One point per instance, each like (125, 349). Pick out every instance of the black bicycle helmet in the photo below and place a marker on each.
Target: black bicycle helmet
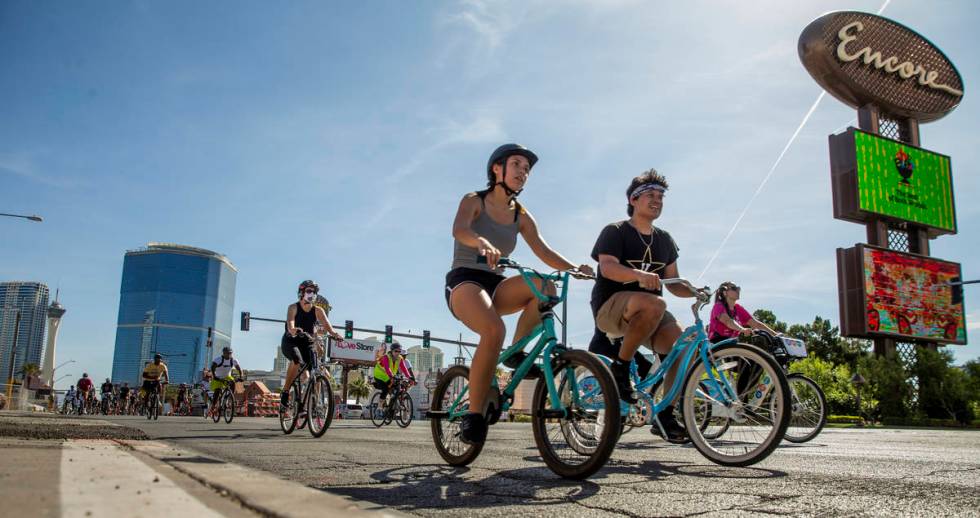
(308, 284)
(499, 156)
(226, 350)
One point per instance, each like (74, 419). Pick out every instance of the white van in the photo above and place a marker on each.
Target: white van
(353, 411)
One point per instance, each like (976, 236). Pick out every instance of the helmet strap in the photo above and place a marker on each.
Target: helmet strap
(511, 193)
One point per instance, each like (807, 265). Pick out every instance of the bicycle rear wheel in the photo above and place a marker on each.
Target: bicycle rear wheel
(228, 405)
(577, 442)
(757, 414)
(216, 409)
(404, 410)
(809, 409)
(319, 404)
(377, 410)
(451, 398)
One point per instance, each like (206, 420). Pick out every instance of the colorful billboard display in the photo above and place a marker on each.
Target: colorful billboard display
(903, 296)
(880, 178)
(904, 182)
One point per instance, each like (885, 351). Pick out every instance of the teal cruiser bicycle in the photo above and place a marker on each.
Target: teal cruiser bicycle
(734, 396)
(575, 426)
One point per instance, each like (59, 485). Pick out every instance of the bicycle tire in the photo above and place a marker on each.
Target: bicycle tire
(301, 420)
(445, 430)
(319, 417)
(228, 406)
(405, 406)
(605, 403)
(800, 428)
(216, 409)
(779, 392)
(287, 414)
(377, 413)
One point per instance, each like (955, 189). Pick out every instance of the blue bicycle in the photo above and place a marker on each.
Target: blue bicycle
(734, 396)
(575, 426)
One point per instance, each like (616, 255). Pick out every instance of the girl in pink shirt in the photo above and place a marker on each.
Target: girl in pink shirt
(729, 319)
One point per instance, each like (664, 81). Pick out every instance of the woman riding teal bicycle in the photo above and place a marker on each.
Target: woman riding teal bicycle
(487, 224)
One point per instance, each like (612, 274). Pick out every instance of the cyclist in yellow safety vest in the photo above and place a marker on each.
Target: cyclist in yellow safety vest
(387, 366)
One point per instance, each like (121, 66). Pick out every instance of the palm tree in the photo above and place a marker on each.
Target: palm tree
(28, 370)
(358, 388)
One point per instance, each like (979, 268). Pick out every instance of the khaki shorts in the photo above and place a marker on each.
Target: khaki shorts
(610, 320)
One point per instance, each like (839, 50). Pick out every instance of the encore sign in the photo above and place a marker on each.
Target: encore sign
(862, 59)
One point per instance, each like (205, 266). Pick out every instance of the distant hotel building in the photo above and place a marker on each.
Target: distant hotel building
(170, 296)
(425, 360)
(30, 301)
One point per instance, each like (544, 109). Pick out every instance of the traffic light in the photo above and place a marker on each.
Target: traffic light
(425, 339)
(245, 320)
(348, 330)
(387, 334)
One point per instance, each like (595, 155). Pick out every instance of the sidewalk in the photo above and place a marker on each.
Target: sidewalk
(53, 466)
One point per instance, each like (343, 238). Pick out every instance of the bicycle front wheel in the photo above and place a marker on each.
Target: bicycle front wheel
(320, 406)
(809, 409)
(746, 386)
(450, 402)
(228, 405)
(577, 441)
(404, 410)
(287, 413)
(377, 410)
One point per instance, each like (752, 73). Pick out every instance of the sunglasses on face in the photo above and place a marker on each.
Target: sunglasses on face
(309, 291)
(733, 288)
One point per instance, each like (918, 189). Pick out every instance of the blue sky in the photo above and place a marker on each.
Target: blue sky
(334, 140)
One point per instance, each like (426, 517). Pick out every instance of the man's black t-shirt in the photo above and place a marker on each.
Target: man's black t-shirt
(623, 241)
(106, 387)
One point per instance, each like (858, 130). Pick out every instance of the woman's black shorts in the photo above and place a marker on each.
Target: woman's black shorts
(482, 278)
(291, 344)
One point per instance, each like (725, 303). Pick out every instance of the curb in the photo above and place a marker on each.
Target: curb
(257, 490)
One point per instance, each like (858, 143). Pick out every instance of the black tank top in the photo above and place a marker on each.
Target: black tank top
(305, 320)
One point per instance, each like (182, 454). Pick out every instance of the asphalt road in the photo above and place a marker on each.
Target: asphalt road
(841, 472)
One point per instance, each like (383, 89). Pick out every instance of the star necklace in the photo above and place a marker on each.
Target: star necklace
(647, 264)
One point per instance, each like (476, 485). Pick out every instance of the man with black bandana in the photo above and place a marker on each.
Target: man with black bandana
(627, 300)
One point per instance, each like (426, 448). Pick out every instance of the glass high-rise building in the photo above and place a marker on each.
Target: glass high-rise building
(171, 296)
(30, 301)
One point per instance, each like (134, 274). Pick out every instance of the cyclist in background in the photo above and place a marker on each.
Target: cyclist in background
(487, 224)
(302, 319)
(84, 391)
(154, 373)
(388, 366)
(181, 398)
(728, 318)
(221, 368)
(124, 398)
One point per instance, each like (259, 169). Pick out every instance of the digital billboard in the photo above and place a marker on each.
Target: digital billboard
(880, 177)
(900, 295)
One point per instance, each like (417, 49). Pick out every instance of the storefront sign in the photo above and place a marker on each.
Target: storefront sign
(861, 59)
(354, 351)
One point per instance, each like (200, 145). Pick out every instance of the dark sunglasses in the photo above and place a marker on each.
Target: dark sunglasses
(734, 288)
(309, 291)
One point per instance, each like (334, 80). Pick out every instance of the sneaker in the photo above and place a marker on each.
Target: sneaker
(473, 429)
(621, 374)
(675, 432)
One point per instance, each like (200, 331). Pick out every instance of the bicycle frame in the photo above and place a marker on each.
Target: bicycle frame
(545, 346)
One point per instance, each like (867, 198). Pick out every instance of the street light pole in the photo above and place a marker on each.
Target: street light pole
(33, 217)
